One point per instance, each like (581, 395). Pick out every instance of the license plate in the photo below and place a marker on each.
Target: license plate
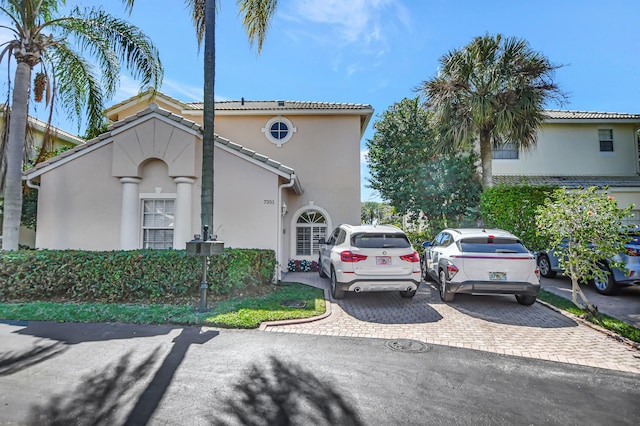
(497, 276)
(383, 260)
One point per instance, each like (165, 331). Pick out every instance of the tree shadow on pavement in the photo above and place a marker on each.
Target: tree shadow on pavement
(100, 398)
(285, 394)
(12, 362)
(503, 309)
(390, 308)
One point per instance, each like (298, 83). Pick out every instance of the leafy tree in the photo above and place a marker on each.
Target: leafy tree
(493, 89)
(44, 39)
(256, 17)
(409, 172)
(584, 227)
(374, 212)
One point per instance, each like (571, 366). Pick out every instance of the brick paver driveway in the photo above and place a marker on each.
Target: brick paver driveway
(488, 323)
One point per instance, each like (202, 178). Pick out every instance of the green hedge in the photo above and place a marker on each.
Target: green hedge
(513, 208)
(128, 276)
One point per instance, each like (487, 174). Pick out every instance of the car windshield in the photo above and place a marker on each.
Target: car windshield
(380, 240)
(491, 245)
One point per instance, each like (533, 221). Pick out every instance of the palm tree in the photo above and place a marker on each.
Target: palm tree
(494, 89)
(43, 39)
(256, 16)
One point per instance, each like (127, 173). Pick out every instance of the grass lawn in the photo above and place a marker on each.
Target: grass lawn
(234, 313)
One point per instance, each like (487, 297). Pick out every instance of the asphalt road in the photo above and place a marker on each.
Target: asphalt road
(624, 305)
(111, 374)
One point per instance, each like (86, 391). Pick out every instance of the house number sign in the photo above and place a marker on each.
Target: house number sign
(269, 201)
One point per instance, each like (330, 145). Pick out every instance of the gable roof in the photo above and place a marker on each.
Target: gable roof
(55, 131)
(154, 111)
(571, 182)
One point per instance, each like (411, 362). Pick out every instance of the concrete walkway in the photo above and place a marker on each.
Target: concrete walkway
(488, 323)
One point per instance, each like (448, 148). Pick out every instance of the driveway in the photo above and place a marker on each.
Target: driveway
(488, 323)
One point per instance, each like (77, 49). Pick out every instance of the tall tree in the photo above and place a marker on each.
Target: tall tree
(44, 39)
(494, 89)
(409, 172)
(256, 17)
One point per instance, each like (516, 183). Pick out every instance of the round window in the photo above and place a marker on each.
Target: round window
(279, 130)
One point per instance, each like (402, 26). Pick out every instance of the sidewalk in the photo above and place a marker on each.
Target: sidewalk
(488, 323)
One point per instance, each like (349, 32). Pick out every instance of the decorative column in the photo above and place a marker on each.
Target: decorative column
(130, 214)
(182, 221)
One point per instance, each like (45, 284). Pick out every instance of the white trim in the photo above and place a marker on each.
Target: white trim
(294, 223)
(291, 129)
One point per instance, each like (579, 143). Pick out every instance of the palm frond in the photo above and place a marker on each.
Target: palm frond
(256, 16)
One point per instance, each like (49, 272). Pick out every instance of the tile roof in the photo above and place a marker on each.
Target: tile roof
(589, 115)
(569, 181)
(154, 109)
(279, 105)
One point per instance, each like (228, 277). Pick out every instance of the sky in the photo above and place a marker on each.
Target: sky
(378, 52)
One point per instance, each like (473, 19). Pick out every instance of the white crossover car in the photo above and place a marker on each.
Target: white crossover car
(369, 258)
(481, 261)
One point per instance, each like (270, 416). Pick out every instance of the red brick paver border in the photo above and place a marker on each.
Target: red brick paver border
(487, 323)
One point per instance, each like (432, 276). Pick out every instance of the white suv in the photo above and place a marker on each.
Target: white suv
(369, 258)
(481, 261)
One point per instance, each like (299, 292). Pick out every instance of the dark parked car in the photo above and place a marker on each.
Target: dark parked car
(616, 278)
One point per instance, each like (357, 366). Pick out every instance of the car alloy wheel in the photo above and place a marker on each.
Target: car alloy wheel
(545, 267)
(335, 291)
(445, 295)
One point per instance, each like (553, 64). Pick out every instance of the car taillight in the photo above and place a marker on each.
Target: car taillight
(413, 257)
(632, 252)
(537, 272)
(347, 256)
(452, 270)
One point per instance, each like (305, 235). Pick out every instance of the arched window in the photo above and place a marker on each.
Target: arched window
(310, 227)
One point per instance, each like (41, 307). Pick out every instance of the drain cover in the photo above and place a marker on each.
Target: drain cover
(294, 303)
(409, 346)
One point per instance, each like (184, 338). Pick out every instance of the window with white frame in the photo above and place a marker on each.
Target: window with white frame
(506, 151)
(279, 130)
(310, 227)
(606, 140)
(157, 223)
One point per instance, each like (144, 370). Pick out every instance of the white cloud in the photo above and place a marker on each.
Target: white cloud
(363, 21)
(364, 156)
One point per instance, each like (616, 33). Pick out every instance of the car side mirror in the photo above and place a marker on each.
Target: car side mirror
(322, 241)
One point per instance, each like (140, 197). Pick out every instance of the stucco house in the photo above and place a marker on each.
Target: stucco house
(286, 172)
(579, 149)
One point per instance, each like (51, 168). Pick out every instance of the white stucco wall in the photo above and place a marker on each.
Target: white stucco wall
(79, 205)
(245, 210)
(574, 149)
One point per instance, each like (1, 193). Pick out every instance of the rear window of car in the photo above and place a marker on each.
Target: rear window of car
(491, 245)
(380, 240)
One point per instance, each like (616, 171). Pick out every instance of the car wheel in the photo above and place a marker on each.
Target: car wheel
(525, 299)
(408, 294)
(336, 293)
(445, 294)
(545, 266)
(320, 271)
(607, 285)
(425, 273)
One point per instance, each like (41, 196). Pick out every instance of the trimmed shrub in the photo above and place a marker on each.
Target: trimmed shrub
(128, 276)
(513, 208)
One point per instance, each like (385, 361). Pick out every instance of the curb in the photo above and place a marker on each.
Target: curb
(327, 313)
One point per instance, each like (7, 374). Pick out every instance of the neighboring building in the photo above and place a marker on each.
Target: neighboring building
(579, 149)
(59, 139)
(285, 173)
